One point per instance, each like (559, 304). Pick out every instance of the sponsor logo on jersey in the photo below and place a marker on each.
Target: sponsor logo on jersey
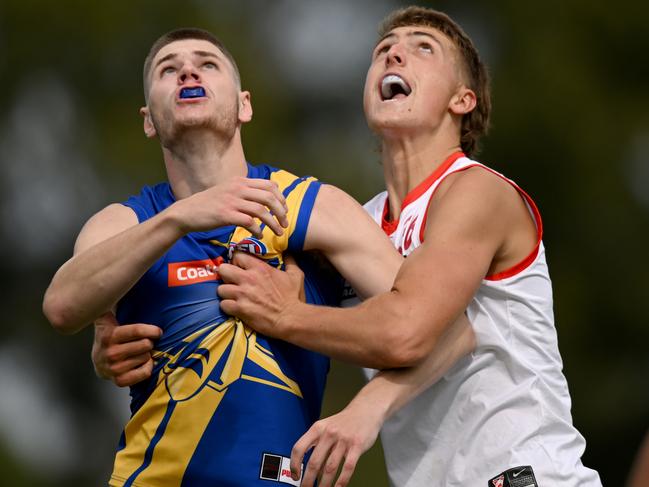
(192, 272)
(278, 469)
(522, 476)
(250, 245)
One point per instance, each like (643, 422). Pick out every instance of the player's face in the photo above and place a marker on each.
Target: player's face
(192, 84)
(412, 81)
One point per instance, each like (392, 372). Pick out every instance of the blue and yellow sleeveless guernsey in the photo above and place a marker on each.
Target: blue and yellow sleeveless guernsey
(224, 405)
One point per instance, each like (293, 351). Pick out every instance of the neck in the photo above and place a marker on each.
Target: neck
(198, 160)
(408, 160)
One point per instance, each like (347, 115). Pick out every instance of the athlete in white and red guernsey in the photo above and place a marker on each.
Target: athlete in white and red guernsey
(509, 404)
(500, 416)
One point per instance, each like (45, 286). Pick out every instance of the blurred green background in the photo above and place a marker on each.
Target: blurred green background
(570, 125)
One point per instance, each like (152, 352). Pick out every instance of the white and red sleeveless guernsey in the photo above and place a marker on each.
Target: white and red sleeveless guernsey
(505, 406)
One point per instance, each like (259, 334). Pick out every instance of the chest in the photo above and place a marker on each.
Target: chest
(179, 292)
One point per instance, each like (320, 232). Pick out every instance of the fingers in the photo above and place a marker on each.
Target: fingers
(127, 333)
(330, 467)
(336, 444)
(271, 187)
(231, 273)
(296, 274)
(247, 261)
(292, 268)
(317, 461)
(130, 363)
(263, 200)
(120, 352)
(227, 292)
(351, 459)
(272, 201)
(290, 261)
(259, 211)
(300, 448)
(135, 375)
(123, 353)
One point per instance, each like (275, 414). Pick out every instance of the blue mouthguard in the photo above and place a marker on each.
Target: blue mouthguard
(192, 92)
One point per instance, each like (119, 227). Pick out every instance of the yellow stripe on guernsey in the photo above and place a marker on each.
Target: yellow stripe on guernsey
(272, 246)
(183, 403)
(162, 436)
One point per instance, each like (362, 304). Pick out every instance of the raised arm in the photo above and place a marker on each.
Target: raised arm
(113, 251)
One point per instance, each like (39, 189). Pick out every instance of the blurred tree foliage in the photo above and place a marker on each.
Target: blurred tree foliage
(570, 125)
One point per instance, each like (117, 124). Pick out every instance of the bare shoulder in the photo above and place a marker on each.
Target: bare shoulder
(334, 205)
(477, 185)
(334, 196)
(489, 208)
(337, 220)
(113, 219)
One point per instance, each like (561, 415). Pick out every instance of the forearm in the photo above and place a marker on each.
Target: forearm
(92, 281)
(390, 390)
(372, 334)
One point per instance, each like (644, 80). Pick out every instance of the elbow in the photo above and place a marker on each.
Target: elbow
(404, 356)
(403, 347)
(58, 314)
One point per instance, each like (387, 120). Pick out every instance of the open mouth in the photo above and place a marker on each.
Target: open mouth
(196, 92)
(394, 86)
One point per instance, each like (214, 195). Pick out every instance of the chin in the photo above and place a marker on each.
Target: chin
(389, 123)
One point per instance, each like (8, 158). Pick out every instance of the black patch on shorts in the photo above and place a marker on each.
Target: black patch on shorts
(515, 477)
(270, 467)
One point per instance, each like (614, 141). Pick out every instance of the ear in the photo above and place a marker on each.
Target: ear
(245, 107)
(463, 102)
(149, 128)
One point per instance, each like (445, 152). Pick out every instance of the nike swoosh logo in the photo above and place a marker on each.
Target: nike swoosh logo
(516, 474)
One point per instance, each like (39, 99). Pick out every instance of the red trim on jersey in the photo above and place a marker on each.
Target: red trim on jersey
(523, 264)
(389, 226)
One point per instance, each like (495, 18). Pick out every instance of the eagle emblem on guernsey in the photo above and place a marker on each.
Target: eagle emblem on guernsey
(215, 358)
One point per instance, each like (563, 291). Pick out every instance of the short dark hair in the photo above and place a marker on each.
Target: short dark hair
(476, 123)
(181, 35)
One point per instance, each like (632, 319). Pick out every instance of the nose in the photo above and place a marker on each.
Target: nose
(188, 73)
(396, 55)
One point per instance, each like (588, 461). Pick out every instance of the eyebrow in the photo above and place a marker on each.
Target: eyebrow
(410, 34)
(173, 55)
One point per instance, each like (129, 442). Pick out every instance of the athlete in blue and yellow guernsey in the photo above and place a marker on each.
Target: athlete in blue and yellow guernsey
(222, 401)
(223, 406)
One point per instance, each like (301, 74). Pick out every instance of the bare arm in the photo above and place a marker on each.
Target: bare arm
(464, 242)
(113, 251)
(473, 228)
(341, 439)
(343, 231)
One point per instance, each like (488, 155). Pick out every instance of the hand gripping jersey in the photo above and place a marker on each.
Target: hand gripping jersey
(224, 405)
(505, 406)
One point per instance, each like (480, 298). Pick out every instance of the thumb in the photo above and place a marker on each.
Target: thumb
(291, 265)
(106, 320)
(293, 270)
(246, 260)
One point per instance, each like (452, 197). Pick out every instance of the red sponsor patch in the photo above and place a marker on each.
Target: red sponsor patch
(192, 272)
(499, 481)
